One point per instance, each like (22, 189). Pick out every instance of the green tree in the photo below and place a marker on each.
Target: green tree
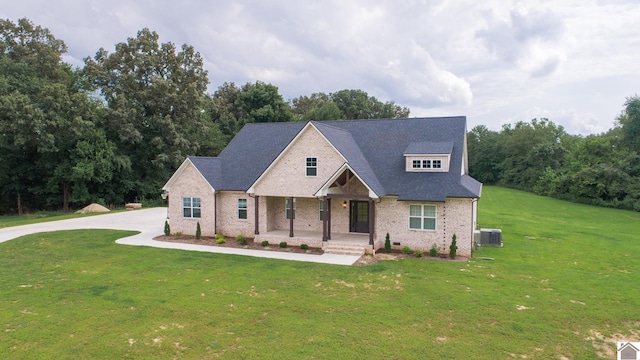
(44, 113)
(485, 154)
(155, 95)
(231, 107)
(529, 149)
(629, 121)
(357, 104)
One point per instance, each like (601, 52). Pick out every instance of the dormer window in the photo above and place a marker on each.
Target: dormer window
(428, 157)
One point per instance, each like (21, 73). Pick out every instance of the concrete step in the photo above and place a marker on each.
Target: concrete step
(345, 248)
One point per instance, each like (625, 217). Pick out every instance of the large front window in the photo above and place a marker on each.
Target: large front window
(191, 207)
(422, 217)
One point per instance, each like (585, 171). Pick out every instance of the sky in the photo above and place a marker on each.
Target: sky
(497, 62)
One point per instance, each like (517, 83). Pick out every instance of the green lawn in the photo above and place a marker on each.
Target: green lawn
(567, 275)
(44, 216)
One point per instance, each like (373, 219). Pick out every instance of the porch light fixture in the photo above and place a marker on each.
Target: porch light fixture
(164, 194)
(344, 204)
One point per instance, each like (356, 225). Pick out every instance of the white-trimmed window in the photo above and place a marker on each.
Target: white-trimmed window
(422, 217)
(321, 209)
(288, 210)
(312, 166)
(191, 207)
(242, 209)
(437, 164)
(416, 164)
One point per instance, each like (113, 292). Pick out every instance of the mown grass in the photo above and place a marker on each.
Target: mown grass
(567, 274)
(39, 217)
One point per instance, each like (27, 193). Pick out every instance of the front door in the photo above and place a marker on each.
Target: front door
(359, 217)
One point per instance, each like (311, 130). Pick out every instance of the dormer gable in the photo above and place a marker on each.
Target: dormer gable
(428, 156)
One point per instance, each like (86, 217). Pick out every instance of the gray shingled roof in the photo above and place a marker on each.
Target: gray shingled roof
(373, 148)
(428, 148)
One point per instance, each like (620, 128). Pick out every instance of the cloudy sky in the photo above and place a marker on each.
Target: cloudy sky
(495, 61)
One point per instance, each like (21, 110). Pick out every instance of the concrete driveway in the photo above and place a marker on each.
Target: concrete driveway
(150, 223)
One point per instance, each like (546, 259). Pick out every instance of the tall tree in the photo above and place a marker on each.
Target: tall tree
(155, 96)
(43, 111)
(485, 154)
(357, 104)
(629, 121)
(231, 106)
(530, 148)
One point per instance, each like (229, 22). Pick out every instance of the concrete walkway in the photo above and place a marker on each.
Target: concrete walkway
(150, 223)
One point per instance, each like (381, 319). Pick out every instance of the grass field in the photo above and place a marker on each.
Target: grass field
(564, 286)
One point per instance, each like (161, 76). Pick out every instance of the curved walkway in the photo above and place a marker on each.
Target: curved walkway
(150, 223)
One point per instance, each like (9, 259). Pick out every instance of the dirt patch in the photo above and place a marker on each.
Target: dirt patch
(233, 243)
(92, 208)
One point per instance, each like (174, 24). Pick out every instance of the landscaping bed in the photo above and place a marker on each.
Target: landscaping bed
(233, 243)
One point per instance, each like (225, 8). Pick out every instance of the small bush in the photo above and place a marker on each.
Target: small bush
(387, 244)
(419, 253)
(264, 243)
(241, 240)
(433, 252)
(407, 250)
(220, 239)
(178, 234)
(198, 231)
(304, 246)
(453, 247)
(283, 244)
(167, 228)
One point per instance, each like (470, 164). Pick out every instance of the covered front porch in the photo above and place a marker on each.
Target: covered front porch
(313, 238)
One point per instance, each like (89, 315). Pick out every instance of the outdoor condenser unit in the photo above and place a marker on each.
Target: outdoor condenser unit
(490, 237)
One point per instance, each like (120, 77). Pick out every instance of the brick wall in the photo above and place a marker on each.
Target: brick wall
(452, 216)
(191, 184)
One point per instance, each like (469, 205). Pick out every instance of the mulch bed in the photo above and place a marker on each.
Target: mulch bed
(232, 243)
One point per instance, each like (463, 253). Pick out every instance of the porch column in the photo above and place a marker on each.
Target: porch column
(325, 216)
(329, 219)
(257, 217)
(372, 218)
(290, 216)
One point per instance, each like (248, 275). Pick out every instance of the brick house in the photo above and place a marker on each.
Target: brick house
(329, 181)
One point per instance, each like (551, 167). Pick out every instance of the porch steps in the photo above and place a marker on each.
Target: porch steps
(345, 248)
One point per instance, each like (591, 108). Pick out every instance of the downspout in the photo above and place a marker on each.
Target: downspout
(473, 222)
(215, 213)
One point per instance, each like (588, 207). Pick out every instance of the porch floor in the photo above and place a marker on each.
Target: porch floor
(355, 238)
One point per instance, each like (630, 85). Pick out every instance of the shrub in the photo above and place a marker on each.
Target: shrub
(167, 228)
(433, 252)
(407, 250)
(283, 244)
(453, 247)
(264, 243)
(419, 253)
(198, 231)
(220, 239)
(387, 244)
(304, 246)
(178, 234)
(241, 239)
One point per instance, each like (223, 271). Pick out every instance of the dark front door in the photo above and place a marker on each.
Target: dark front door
(359, 217)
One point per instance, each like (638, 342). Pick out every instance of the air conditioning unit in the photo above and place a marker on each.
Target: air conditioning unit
(491, 237)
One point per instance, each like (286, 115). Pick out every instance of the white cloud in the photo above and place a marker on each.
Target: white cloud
(495, 61)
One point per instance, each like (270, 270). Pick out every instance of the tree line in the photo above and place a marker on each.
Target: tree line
(114, 130)
(540, 157)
